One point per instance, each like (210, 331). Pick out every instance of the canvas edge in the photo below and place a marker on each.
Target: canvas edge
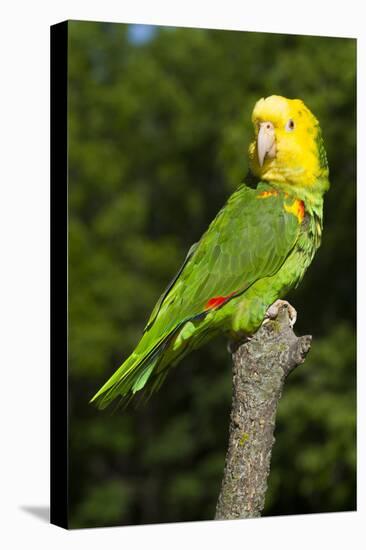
(59, 282)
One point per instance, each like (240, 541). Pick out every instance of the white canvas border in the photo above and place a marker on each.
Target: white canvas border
(25, 271)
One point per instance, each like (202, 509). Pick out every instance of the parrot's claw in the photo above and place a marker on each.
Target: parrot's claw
(273, 310)
(231, 345)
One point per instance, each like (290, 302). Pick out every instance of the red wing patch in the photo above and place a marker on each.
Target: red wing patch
(218, 301)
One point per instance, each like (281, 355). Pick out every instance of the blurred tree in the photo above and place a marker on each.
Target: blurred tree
(159, 124)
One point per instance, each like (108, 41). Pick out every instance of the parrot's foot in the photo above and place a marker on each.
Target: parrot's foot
(273, 310)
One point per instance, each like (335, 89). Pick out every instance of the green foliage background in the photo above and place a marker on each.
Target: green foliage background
(159, 125)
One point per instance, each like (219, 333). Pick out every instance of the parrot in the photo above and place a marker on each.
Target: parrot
(256, 249)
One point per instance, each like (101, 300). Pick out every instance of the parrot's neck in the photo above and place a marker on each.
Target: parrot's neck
(311, 195)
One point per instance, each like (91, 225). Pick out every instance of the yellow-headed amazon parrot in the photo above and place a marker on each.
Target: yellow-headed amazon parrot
(256, 249)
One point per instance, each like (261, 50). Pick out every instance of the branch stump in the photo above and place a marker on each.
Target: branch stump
(260, 368)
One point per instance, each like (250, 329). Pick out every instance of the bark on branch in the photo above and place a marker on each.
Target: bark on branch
(261, 366)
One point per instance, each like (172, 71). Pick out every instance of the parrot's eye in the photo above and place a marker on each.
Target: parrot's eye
(290, 125)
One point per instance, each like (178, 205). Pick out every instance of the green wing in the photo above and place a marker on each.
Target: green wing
(249, 239)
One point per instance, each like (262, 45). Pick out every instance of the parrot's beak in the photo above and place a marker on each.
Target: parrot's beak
(266, 142)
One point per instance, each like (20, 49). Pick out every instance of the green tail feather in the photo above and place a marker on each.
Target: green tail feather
(128, 379)
(134, 373)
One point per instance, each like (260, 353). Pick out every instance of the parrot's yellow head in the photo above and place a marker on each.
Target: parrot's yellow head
(288, 147)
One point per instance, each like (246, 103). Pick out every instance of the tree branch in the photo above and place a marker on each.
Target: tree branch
(259, 372)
